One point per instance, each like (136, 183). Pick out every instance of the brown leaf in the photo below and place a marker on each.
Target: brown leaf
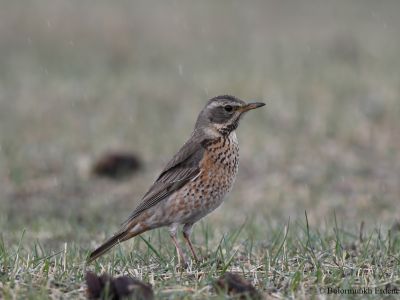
(107, 287)
(396, 226)
(116, 165)
(233, 284)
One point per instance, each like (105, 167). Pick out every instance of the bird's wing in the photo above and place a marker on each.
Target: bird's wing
(183, 167)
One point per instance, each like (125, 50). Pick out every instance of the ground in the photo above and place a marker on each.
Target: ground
(316, 201)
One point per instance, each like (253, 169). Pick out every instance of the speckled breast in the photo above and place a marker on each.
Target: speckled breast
(218, 171)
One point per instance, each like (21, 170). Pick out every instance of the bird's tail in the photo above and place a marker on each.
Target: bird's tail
(117, 238)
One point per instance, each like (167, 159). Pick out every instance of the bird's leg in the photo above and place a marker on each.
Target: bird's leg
(187, 230)
(181, 257)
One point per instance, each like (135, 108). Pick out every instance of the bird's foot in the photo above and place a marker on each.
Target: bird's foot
(181, 267)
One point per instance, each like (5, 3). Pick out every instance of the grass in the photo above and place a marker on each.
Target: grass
(296, 260)
(77, 79)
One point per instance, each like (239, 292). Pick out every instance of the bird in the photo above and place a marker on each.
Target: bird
(194, 182)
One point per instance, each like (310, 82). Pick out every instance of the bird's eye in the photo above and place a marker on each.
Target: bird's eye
(228, 108)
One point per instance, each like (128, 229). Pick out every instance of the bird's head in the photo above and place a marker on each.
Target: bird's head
(222, 114)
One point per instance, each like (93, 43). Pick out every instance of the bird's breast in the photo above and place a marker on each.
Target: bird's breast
(222, 156)
(220, 165)
(205, 192)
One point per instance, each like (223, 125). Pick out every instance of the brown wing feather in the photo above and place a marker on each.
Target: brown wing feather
(183, 167)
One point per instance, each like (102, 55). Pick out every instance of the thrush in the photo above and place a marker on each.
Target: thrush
(194, 182)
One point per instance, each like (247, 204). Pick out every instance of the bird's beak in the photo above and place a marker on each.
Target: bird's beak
(251, 106)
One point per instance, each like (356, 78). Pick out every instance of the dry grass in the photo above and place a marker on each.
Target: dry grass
(80, 78)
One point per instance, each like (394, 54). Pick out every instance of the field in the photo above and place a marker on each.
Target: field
(316, 201)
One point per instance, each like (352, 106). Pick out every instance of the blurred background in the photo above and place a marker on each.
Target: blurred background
(80, 78)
